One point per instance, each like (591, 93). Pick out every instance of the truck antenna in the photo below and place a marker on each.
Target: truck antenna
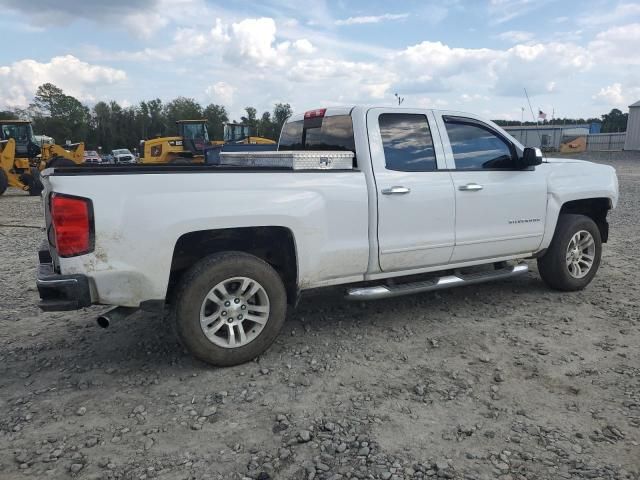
(535, 119)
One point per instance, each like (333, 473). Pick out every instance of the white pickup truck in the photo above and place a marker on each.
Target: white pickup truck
(428, 200)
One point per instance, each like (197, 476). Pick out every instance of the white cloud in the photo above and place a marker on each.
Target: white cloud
(617, 95)
(254, 39)
(19, 81)
(228, 57)
(515, 36)
(371, 19)
(140, 18)
(221, 92)
(538, 67)
(145, 24)
(618, 45)
(304, 46)
(612, 94)
(622, 12)
(502, 11)
(465, 97)
(377, 91)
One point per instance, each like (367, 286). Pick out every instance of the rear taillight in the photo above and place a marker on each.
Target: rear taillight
(72, 222)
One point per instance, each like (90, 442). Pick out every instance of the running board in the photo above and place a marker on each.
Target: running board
(387, 291)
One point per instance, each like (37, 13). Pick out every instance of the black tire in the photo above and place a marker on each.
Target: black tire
(196, 284)
(32, 182)
(35, 189)
(181, 161)
(4, 181)
(553, 264)
(60, 162)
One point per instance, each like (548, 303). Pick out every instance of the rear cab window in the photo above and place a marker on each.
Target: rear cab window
(328, 132)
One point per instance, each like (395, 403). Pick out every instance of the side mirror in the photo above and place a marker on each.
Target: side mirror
(531, 157)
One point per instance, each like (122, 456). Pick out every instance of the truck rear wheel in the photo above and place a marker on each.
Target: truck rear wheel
(230, 307)
(573, 257)
(4, 181)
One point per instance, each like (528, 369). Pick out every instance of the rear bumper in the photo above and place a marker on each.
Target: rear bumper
(59, 292)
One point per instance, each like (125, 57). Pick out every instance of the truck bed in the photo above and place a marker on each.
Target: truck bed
(140, 169)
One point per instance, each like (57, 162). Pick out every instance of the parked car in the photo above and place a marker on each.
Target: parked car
(107, 158)
(122, 156)
(431, 200)
(91, 157)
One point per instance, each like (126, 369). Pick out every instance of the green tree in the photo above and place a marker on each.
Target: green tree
(181, 108)
(266, 127)
(216, 116)
(8, 115)
(614, 121)
(58, 115)
(151, 118)
(250, 118)
(101, 134)
(281, 111)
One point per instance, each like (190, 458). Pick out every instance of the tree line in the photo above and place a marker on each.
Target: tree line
(614, 121)
(110, 125)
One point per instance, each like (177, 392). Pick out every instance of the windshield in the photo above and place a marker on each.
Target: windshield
(234, 132)
(22, 133)
(90, 153)
(196, 131)
(122, 151)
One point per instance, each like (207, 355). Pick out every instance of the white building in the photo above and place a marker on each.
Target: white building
(547, 137)
(632, 141)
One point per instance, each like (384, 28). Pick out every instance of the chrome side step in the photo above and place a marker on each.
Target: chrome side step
(387, 291)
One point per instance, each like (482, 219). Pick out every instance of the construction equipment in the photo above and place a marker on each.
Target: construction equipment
(58, 156)
(192, 140)
(186, 147)
(22, 158)
(241, 133)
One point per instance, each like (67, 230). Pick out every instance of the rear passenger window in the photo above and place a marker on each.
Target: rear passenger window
(407, 142)
(475, 147)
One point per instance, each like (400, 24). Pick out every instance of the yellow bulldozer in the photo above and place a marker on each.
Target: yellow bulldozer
(22, 158)
(192, 141)
(243, 134)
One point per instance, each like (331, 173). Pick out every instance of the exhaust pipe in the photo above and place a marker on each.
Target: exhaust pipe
(114, 315)
(103, 321)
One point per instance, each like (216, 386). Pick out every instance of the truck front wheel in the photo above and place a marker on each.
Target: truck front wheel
(229, 308)
(573, 257)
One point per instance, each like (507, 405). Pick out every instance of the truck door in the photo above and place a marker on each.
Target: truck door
(415, 196)
(500, 208)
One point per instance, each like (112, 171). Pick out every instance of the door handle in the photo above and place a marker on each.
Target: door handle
(470, 187)
(396, 191)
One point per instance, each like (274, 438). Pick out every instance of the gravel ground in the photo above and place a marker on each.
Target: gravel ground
(507, 380)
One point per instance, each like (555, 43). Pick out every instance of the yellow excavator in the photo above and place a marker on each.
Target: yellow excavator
(192, 140)
(22, 158)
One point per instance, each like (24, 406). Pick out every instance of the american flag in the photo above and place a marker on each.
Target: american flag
(542, 115)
